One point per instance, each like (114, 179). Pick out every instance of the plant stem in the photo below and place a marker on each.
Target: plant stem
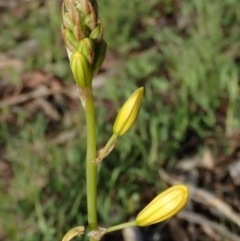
(91, 168)
(109, 143)
(108, 147)
(121, 226)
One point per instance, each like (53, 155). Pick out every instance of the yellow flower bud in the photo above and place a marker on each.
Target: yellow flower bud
(164, 206)
(128, 113)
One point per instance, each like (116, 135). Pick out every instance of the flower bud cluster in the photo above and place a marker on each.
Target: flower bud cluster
(82, 32)
(80, 20)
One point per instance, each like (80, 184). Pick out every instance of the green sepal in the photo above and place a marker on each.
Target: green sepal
(100, 54)
(83, 7)
(86, 47)
(97, 33)
(71, 40)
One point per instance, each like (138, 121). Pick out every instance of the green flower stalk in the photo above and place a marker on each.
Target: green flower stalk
(127, 115)
(82, 32)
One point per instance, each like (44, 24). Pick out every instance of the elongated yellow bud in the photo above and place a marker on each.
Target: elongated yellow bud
(81, 69)
(164, 206)
(128, 113)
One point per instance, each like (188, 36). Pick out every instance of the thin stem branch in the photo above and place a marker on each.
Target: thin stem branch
(109, 143)
(122, 226)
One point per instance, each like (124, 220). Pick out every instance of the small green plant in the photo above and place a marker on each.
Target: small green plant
(82, 31)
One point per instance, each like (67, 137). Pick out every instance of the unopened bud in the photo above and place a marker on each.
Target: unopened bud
(86, 47)
(97, 33)
(99, 57)
(82, 6)
(71, 41)
(79, 32)
(91, 19)
(81, 69)
(164, 206)
(128, 113)
(67, 21)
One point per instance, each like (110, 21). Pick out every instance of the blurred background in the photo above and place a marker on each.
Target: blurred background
(186, 53)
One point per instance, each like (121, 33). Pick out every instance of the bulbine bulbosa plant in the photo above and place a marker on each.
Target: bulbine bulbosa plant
(83, 35)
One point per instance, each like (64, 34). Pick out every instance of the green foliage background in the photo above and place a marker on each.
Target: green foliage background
(185, 54)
